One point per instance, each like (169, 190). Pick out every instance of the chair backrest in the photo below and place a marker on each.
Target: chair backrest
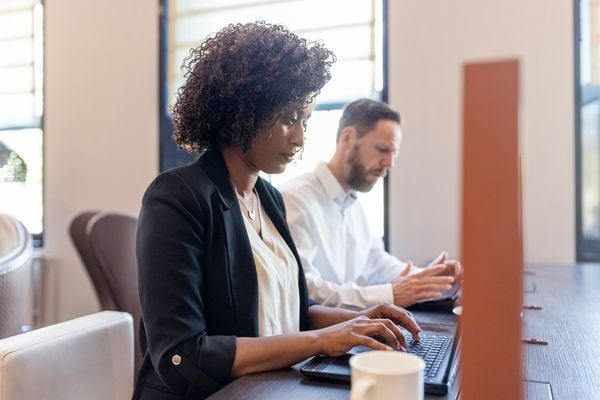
(85, 358)
(16, 254)
(106, 244)
(79, 236)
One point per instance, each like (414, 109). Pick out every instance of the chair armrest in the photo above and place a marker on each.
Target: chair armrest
(90, 357)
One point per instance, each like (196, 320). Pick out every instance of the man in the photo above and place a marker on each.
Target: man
(346, 266)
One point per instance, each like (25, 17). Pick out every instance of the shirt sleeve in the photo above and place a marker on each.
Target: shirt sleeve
(349, 294)
(171, 247)
(382, 267)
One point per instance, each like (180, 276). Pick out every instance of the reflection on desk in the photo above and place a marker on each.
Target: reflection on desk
(567, 368)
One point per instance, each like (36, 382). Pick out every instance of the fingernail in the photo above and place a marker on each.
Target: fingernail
(388, 348)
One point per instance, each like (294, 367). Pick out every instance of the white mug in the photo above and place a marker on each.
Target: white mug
(383, 375)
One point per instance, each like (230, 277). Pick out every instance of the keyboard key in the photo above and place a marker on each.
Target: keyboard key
(432, 348)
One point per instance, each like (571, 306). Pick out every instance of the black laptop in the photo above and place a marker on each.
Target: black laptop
(438, 347)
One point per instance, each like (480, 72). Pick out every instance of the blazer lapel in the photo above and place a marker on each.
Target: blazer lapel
(275, 213)
(241, 268)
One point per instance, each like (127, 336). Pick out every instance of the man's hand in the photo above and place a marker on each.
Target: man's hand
(425, 285)
(453, 267)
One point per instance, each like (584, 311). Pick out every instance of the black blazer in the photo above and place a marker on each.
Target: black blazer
(197, 278)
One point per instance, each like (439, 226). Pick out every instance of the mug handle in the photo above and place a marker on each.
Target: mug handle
(361, 388)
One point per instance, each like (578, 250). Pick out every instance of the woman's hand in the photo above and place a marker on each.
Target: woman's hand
(337, 339)
(375, 327)
(397, 315)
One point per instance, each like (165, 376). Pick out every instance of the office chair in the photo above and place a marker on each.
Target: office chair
(16, 253)
(106, 245)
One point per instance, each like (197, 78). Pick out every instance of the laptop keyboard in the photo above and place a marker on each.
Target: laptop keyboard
(432, 349)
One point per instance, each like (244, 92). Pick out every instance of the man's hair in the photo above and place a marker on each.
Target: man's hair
(364, 114)
(240, 79)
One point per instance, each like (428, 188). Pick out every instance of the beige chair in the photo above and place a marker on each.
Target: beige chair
(85, 358)
(16, 252)
(106, 244)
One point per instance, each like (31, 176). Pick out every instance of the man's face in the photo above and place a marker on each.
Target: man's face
(372, 155)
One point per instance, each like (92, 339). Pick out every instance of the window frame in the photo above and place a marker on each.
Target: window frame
(168, 159)
(587, 250)
(38, 238)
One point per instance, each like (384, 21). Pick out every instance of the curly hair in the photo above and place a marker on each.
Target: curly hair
(240, 79)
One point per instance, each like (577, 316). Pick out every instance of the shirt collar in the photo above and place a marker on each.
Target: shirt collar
(332, 186)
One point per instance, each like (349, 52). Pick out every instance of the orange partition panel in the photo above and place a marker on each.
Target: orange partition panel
(491, 233)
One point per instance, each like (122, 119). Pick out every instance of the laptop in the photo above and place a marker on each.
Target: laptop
(438, 348)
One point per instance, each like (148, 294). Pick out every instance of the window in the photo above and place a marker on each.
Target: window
(587, 124)
(355, 35)
(21, 108)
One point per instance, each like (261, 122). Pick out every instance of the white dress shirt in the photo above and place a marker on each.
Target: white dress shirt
(277, 273)
(345, 265)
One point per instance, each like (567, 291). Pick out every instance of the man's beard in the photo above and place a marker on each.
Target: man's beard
(357, 174)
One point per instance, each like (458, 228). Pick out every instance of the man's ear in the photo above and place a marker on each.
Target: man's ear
(348, 137)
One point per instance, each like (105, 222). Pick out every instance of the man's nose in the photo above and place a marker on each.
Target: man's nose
(387, 161)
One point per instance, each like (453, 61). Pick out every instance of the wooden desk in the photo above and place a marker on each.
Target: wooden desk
(568, 368)
(570, 322)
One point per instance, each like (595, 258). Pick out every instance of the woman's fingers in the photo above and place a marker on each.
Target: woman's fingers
(377, 328)
(399, 316)
(372, 343)
(385, 329)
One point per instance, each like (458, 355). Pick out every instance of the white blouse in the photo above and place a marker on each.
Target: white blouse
(277, 273)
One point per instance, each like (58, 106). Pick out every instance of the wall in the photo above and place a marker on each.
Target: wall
(429, 42)
(101, 127)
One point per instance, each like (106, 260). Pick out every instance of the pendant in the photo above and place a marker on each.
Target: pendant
(252, 215)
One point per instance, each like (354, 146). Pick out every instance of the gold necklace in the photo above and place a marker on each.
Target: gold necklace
(250, 211)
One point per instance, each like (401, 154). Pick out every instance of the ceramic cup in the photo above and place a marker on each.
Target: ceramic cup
(383, 375)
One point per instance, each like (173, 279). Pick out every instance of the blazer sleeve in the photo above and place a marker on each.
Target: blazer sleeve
(171, 247)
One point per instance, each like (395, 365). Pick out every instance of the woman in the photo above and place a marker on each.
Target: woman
(221, 285)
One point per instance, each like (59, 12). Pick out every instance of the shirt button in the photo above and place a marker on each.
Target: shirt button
(176, 359)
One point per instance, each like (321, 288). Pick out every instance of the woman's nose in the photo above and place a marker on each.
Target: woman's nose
(298, 137)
